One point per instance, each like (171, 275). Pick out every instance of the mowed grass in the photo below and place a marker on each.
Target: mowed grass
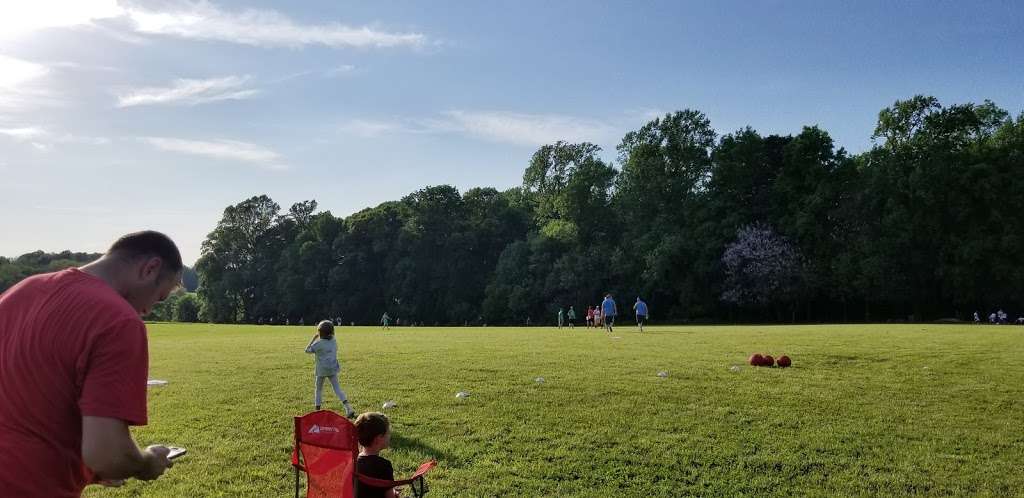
(894, 410)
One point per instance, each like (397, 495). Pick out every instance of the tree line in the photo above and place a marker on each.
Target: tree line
(743, 227)
(180, 306)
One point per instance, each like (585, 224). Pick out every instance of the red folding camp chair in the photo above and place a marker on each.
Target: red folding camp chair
(326, 449)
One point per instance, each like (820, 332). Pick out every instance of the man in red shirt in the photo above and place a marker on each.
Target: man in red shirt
(74, 361)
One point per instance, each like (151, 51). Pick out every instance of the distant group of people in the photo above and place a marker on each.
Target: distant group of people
(998, 317)
(385, 321)
(279, 321)
(603, 315)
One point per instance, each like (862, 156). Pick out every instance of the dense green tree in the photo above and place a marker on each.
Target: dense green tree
(237, 259)
(666, 168)
(186, 309)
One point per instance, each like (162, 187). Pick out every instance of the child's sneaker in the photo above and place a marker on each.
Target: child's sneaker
(349, 412)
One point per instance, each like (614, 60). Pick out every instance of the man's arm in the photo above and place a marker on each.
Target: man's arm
(108, 449)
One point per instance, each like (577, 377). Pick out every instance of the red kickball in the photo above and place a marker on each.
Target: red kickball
(768, 361)
(755, 360)
(784, 361)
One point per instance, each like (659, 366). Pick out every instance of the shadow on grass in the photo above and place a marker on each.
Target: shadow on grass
(414, 445)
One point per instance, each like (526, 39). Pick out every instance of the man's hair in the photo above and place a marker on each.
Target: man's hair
(147, 244)
(370, 425)
(326, 329)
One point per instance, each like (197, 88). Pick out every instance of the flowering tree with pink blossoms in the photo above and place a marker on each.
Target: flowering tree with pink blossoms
(762, 268)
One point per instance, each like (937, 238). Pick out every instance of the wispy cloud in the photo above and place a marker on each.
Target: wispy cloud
(332, 72)
(196, 20)
(220, 149)
(22, 17)
(75, 66)
(20, 88)
(24, 133)
(15, 72)
(496, 126)
(261, 27)
(527, 129)
(42, 139)
(190, 92)
(339, 70)
(81, 139)
(375, 128)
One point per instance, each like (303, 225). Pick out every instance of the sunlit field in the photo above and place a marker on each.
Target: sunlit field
(875, 409)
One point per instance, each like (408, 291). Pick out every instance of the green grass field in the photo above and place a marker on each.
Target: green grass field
(895, 410)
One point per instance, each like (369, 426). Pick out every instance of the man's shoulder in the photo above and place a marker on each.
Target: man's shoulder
(71, 284)
(39, 282)
(79, 293)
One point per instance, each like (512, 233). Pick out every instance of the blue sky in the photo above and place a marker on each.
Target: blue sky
(119, 116)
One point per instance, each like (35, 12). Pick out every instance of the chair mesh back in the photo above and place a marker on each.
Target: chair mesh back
(329, 472)
(329, 447)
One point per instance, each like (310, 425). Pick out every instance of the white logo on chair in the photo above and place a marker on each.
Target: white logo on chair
(316, 429)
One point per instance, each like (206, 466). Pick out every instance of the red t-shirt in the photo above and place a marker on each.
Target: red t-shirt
(69, 346)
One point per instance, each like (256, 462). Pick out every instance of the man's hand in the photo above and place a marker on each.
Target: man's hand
(155, 462)
(108, 449)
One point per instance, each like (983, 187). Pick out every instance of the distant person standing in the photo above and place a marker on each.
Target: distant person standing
(74, 361)
(608, 312)
(977, 319)
(561, 317)
(572, 317)
(597, 316)
(385, 321)
(640, 308)
(590, 316)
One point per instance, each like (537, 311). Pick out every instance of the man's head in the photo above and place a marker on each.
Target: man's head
(373, 430)
(148, 267)
(326, 329)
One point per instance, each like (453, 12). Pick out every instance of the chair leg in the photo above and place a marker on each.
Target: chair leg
(296, 482)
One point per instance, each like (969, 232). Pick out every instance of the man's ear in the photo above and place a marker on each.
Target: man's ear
(150, 269)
